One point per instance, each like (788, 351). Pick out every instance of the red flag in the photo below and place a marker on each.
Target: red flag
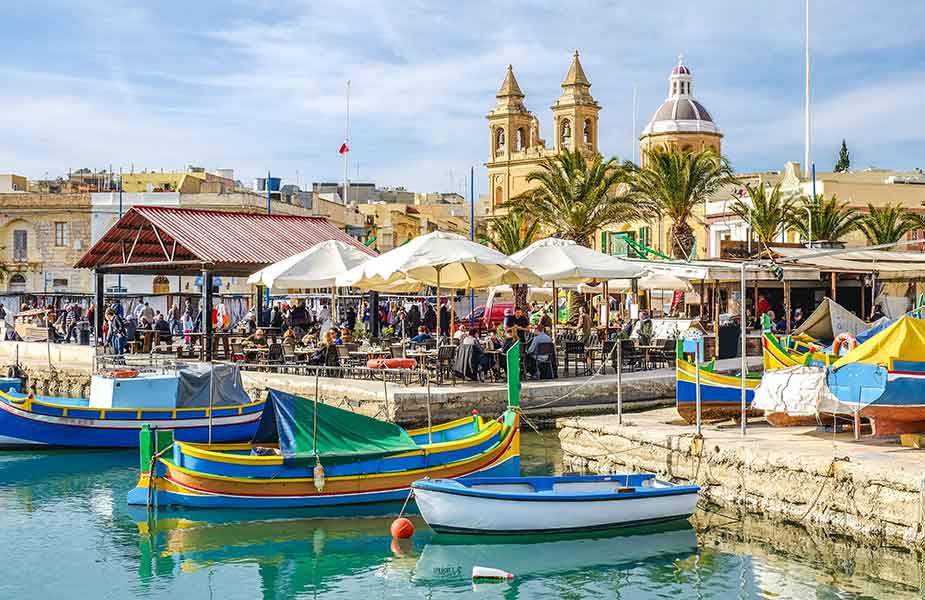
(343, 149)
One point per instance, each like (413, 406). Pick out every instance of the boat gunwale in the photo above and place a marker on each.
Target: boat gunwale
(464, 488)
(26, 403)
(201, 451)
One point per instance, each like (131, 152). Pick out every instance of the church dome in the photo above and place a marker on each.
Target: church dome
(681, 112)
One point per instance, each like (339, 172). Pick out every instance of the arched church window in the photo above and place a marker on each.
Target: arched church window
(160, 285)
(17, 283)
(499, 140)
(521, 141)
(566, 132)
(587, 132)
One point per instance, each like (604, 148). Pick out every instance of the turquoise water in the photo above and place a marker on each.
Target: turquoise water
(65, 532)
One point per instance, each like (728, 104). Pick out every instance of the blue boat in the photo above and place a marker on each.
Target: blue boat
(118, 407)
(884, 379)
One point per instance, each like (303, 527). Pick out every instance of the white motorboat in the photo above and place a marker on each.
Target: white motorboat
(543, 505)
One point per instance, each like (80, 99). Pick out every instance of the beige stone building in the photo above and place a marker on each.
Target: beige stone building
(42, 236)
(515, 145)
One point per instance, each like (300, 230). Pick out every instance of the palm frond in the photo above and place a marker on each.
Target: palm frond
(888, 224)
(574, 197)
(674, 182)
(831, 220)
(767, 214)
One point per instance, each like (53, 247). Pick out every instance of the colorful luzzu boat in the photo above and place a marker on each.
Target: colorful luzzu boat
(308, 454)
(884, 379)
(118, 408)
(720, 395)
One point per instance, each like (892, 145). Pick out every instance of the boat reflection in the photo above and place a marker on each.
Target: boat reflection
(292, 555)
(449, 559)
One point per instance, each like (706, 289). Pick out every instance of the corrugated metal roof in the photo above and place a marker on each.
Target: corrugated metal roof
(231, 241)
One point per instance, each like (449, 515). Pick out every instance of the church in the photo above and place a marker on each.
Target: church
(517, 148)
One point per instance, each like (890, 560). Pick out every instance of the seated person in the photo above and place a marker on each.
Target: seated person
(258, 338)
(460, 332)
(534, 361)
(346, 335)
(338, 340)
(422, 336)
(327, 355)
(310, 338)
(470, 360)
(545, 320)
(163, 327)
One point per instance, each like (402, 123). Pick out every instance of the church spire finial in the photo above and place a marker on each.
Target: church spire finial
(576, 74)
(510, 88)
(680, 59)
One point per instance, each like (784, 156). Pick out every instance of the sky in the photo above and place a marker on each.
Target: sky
(258, 86)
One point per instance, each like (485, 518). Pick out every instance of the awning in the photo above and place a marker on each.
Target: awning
(894, 266)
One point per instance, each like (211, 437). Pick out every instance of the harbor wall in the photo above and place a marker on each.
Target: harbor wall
(866, 490)
(408, 405)
(61, 370)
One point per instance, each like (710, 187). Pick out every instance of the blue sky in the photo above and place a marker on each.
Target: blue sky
(260, 85)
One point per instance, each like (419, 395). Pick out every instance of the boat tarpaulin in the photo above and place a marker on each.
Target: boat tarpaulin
(903, 340)
(875, 328)
(193, 388)
(342, 435)
(796, 391)
(830, 319)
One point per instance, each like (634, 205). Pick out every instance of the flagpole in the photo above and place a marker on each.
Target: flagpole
(347, 147)
(807, 121)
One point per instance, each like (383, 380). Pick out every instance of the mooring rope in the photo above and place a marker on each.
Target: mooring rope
(591, 378)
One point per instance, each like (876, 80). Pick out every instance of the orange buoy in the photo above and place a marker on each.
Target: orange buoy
(402, 528)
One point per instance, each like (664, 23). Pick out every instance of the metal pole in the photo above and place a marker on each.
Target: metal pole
(430, 435)
(555, 310)
(742, 328)
(807, 135)
(697, 383)
(119, 283)
(315, 415)
(809, 220)
(268, 191)
(471, 234)
(211, 397)
(619, 349)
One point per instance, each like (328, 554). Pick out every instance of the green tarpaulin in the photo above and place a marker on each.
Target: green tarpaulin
(342, 436)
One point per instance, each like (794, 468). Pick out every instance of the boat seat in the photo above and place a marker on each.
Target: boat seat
(521, 488)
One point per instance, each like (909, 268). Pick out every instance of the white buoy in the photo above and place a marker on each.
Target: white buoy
(490, 574)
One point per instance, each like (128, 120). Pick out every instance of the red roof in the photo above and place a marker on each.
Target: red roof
(161, 240)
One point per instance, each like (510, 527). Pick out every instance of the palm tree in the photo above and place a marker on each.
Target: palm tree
(673, 182)
(509, 234)
(831, 219)
(888, 224)
(767, 213)
(575, 197)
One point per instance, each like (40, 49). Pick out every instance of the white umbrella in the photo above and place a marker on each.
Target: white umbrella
(314, 268)
(565, 261)
(438, 259)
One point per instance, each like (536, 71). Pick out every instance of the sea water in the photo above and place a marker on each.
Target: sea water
(66, 532)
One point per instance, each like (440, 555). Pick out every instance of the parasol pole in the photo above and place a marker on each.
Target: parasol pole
(555, 310)
(438, 311)
(315, 415)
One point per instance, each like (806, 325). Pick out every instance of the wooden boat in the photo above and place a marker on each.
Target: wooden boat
(309, 454)
(544, 505)
(117, 410)
(720, 395)
(884, 379)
